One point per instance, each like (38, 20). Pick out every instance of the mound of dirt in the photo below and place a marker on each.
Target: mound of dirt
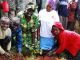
(15, 56)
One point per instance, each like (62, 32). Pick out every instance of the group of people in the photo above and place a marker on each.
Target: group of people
(43, 32)
(19, 31)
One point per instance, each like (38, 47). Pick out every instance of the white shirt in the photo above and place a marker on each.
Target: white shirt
(47, 20)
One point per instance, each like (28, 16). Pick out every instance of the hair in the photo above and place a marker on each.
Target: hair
(5, 19)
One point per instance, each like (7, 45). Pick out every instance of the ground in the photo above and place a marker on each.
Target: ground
(16, 56)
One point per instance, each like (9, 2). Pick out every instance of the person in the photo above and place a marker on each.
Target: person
(47, 17)
(39, 4)
(5, 7)
(30, 25)
(0, 10)
(62, 7)
(72, 15)
(5, 36)
(11, 13)
(69, 41)
(16, 34)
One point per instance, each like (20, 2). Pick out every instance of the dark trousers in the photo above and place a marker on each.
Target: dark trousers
(39, 3)
(4, 42)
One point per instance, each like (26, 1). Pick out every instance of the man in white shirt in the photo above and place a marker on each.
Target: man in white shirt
(47, 17)
(5, 36)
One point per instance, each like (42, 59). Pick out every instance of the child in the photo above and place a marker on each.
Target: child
(68, 40)
(17, 34)
(5, 36)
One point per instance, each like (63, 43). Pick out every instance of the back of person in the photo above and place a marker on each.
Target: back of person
(71, 40)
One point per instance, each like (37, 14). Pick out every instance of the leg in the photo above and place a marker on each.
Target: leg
(5, 43)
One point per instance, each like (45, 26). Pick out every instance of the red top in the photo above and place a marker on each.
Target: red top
(68, 40)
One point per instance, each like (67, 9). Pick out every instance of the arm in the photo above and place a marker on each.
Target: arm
(62, 45)
(9, 44)
(19, 40)
(1, 50)
(56, 17)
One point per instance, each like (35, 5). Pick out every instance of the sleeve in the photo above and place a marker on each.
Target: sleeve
(36, 21)
(1, 50)
(9, 32)
(62, 45)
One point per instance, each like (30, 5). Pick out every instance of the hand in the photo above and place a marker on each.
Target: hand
(7, 54)
(54, 53)
(50, 53)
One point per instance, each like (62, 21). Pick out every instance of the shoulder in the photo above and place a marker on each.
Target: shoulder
(70, 33)
(8, 29)
(41, 11)
(8, 32)
(64, 33)
(54, 11)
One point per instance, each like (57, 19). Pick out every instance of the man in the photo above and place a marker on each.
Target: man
(68, 41)
(47, 17)
(5, 36)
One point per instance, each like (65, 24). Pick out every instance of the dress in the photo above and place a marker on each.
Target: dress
(46, 20)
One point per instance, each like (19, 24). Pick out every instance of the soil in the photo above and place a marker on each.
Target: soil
(16, 56)
(12, 57)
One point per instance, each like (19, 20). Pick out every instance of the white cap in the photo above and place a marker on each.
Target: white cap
(16, 20)
(5, 19)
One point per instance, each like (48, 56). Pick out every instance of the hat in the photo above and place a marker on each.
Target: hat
(31, 5)
(5, 19)
(16, 20)
(58, 25)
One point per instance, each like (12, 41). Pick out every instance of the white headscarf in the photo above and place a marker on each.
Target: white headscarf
(5, 19)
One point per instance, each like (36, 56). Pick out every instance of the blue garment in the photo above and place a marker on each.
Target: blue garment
(4, 42)
(46, 43)
(64, 0)
(18, 38)
(62, 9)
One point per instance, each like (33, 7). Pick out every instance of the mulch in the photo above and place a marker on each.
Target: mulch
(16, 56)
